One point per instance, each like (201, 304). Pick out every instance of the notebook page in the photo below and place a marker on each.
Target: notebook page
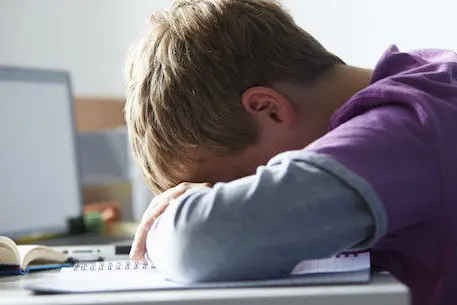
(139, 276)
(344, 262)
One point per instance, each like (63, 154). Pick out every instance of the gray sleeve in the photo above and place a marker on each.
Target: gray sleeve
(302, 205)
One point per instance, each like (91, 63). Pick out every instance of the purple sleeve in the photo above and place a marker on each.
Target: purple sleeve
(395, 154)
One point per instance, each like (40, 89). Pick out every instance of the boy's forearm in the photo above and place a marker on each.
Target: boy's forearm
(261, 226)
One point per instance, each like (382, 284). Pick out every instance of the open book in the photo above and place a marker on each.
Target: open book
(15, 259)
(346, 268)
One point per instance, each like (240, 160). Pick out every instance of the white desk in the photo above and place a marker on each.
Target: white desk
(382, 290)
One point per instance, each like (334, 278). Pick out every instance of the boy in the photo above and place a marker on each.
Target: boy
(354, 158)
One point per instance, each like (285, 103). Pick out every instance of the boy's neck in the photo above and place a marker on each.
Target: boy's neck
(315, 105)
(342, 83)
(327, 97)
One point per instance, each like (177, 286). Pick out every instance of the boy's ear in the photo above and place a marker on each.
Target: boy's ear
(269, 106)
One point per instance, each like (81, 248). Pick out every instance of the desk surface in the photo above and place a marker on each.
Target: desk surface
(383, 289)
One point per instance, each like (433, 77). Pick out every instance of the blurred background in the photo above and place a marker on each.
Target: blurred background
(90, 40)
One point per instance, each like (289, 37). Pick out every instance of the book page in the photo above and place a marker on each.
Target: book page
(30, 253)
(8, 251)
(23, 250)
(7, 257)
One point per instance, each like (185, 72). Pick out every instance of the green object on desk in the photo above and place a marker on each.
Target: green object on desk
(94, 223)
(91, 222)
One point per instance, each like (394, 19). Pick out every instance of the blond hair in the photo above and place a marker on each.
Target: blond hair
(185, 79)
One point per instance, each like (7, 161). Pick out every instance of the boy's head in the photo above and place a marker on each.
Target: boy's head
(208, 89)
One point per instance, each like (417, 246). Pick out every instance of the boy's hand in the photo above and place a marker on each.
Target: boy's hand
(157, 206)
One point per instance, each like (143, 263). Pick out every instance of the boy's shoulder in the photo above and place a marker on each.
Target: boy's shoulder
(422, 81)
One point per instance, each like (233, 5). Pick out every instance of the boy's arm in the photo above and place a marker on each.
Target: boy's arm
(299, 207)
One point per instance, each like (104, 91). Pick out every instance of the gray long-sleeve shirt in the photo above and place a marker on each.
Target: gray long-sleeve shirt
(302, 205)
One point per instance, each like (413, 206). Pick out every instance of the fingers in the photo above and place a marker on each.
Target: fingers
(138, 249)
(157, 206)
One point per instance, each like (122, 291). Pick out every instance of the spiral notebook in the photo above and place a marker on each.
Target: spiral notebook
(344, 268)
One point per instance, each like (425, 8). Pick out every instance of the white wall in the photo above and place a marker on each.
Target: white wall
(87, 37)
(360, 30)
(90, 38)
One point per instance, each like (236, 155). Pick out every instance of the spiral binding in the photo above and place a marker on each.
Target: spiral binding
(113, 266)
(347, 254)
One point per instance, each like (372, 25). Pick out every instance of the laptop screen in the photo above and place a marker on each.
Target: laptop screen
(39, 179)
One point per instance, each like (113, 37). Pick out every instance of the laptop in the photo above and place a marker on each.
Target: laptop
(40, 182)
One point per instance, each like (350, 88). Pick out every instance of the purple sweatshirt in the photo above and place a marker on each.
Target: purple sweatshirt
(381, 178)
(400, 135)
